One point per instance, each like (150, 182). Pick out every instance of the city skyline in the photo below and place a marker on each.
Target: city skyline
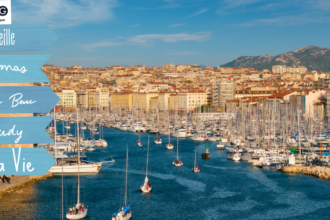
(105, 33)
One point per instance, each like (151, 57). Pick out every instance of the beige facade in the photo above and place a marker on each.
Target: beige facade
(163, 101)
(173, 102)
(122, 100)
(288, 69)
(142, 100)
(68, 98)
(191, 100)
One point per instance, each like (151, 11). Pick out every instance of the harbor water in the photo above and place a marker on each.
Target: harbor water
(222, 190)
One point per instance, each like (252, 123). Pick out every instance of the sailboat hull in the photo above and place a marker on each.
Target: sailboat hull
(80, 215)
(145, 190)
(83, 168)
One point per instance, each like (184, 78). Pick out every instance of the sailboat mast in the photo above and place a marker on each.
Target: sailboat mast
(78, 202)
(55, 135)
(147, 157)
(126, 175)
(177, 148)
(195, 155)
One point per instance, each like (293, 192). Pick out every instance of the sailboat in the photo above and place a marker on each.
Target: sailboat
(177, 162)
(146, 188)
(196, 168)
(169, 145)
(139, 143)
(158, 140)
(78, 211)
(125, 212)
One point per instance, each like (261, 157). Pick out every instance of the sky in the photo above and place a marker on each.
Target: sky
(154, 32)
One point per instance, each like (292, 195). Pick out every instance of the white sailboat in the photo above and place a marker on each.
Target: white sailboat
(125, 212)
(78, 211)
(177, 162)
(146, 188)
(139, 143)
(196, 168)
(158, 140)
(169, 145)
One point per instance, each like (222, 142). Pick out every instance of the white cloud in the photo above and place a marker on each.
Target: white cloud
(203, 10)
(144, 40)
(176, 25)
(171, 38)
(136, 25)
(63, 13)
(93, 46)
(287, 21)
(186, 53)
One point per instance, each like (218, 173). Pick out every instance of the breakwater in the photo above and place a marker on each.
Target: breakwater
(320, 172)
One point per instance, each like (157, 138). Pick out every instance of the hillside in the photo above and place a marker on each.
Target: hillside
(312, 57)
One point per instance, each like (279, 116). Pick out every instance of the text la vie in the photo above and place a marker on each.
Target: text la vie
(26, 166)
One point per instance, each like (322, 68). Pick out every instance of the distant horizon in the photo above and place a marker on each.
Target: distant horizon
(179, 63)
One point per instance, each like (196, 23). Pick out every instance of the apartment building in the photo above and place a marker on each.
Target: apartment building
(223, 90)
(163, 101)
(82, 99)
(191, 99)
(68, 98)
(123, 100)
(142, 100)
(288, 69)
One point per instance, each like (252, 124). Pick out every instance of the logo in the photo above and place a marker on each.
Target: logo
(3, 10)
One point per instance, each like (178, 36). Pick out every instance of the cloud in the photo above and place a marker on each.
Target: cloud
(240, 3)
(93, 46)
(170, 38)
(287, 21)
(136, 25)
(63, 13)
(186, 53)
(148, 39)
(176, 25)
(203, 10)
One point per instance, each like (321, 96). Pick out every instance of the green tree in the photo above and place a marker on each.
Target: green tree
(202, 108)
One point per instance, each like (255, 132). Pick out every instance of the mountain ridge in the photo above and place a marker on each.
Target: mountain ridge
(312, 57)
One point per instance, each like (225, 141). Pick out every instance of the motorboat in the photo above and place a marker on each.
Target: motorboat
(90, 149)
(236, 157)
(158, 140)
(180, 133)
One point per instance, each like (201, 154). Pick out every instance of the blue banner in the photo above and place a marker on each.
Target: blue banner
(25, 161)
(27, 99)
(22, 68)
(24, 130)
(26, 37)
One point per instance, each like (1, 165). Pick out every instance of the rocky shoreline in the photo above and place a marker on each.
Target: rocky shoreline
(317, 171)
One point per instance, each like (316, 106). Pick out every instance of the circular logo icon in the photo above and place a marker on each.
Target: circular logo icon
(3, 10)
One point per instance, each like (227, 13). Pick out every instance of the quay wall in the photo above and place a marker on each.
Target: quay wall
(23, 181)
(318, 171)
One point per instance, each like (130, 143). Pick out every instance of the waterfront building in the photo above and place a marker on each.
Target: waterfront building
(68, 98)
(173, 102)
(190, 100)
(123, 100)
(142, 100)
(223, 90)
(82, 99)
(163, 101)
